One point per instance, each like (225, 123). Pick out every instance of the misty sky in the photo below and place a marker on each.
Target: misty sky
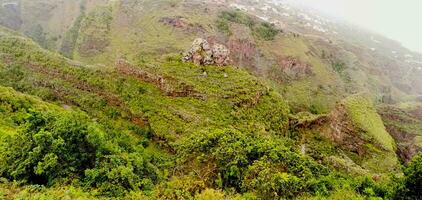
(400, 20)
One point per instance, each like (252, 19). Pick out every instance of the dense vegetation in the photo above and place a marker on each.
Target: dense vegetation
(158, 128)
(262, 30)
(228, 140)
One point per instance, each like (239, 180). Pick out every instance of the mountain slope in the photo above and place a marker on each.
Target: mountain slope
(280, 123)
(170, 124)
(310, 62)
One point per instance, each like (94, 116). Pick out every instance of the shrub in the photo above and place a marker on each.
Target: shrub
(36, 33)
(48, 147)
(247, 161)
(339, 66)
(223, 26)
(265, 179)
(51, 146)
(263, 30)
(210, 194)
(412, 183)
(117, 174)
(266, 31)
(237, 17)
(179, 188)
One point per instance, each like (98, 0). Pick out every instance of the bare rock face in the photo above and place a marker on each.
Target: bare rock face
(202, 53)
(344, 133)
(220, 54)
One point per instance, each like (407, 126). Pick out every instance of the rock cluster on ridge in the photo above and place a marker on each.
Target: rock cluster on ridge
(202, 53)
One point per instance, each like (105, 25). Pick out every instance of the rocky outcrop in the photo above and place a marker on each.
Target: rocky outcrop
(344, 132)
(202, 53)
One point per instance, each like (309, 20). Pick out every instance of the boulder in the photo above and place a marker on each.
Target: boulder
(202, 53)
(220, 55)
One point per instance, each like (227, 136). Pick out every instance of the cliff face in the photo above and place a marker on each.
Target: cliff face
(404, 124)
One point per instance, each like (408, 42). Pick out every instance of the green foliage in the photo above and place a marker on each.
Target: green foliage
(48, 147)
(223, 26)
(36, 33)
(387, 187)
(37, 192)
(379, 145)
(269, 115)
(248, 162)
(339, 67)
(179, 188)
(71, 36)
(265, 179)
(48, 144)
(116, 174)
(365, 117)
(263, 30)
(237, 17)
(412, 184)
(210, 194)
(188, 136)
(52, 145)
(94, 32)
(266, 31)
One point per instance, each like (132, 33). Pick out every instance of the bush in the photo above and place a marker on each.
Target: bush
(412, 184)
(339, 66)
(247, 161)
(265, 179)
(263, 30)
(47, 147)
(210, 194)
(179, 188)
(237, 17)
(117, 174)
(384, 189)
(223, 26)
(266, 31)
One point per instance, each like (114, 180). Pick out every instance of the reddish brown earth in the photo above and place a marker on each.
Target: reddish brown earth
(394, 118)
(169, 86)
(293, 68)
(180, 23)
(62, 93)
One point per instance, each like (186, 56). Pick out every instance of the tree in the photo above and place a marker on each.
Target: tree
(49, 146)
(412, 184)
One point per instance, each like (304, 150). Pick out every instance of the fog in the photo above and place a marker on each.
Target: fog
(400, 20)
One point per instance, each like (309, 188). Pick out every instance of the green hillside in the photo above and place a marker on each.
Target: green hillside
(101, 106)
(146, 136)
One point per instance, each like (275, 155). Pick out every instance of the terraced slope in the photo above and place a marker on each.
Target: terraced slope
(151, 107)
(107, 87)
(223, 125)
(312, 69)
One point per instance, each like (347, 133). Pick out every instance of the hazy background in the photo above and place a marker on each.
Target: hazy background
(400, 20)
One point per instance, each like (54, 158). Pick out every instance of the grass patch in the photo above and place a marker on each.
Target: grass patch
(239, 17)
(262, 30)
(365, 117)
(266, 31)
